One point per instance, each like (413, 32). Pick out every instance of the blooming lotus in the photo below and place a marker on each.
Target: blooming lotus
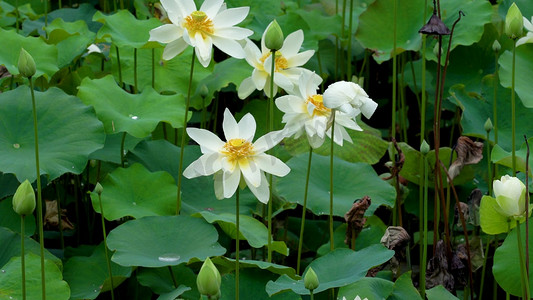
(350, 98)
(212, 25)
(529, 36)
(237, 155)
(287, 66)
(305, 112)
(510, 195)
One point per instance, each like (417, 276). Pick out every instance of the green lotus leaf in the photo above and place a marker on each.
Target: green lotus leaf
(10, 219)
(175, 293)
(506, 268)
(136, 192)
(11, 278)
(10, 242)
(349, 185)
(68, 132)
(45, 55)
(159, 281)
(71, 39)
(227, 265)
(440, 293)
(252, 286)
(251, 230)
(338, 268)
(375, 31)
(505, 158)
(378, 288)
(112, 147)
(137, 115)
(198, 193)
(523, 73)
(163, 241)
(125, 30)
(88, 276)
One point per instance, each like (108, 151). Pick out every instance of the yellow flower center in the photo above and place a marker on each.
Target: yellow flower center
(280, 61)
(199, 22)
(320, 109)
(236, 149)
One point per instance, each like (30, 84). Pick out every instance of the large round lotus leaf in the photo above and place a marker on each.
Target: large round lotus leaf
(10, 219)
(367, 146)
(136, 192)
(124, 29)
(68, 132)
(251, 286)
(375, 30)
(10, 242)
(351, 181)
(170, 75)
(70, 38)
(198, 193)
(377, 288)
(45, 55)
(338, 268)
(251, 230)
(503, 157)
(84, 12)
(163, 241)
(523, 73)
(440, 293)
(506, 268)
(138, 114)
(11, 278)
(88, 276)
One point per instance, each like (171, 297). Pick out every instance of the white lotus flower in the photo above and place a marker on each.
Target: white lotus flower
(349, 98)
(528, 38)
(238, 155)
(305, 112)
(287, 68)
(212, 25)
(510, 195)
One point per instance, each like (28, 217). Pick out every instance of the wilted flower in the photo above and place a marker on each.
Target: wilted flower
(349, 98)
(287, 67)
(310, 279)
(305, 112)
(212, 25)
(529, 36)
(227, 160)
(514, 23)
(24, 199)
(435, 26)
(208, 280)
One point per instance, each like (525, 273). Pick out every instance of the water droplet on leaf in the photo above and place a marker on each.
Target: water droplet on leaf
(169, 257)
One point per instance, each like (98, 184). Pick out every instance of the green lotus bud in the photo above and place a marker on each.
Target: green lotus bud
(209, 280)
(496, 47)
(514, 22)
(488, 125)
(274, 36)
(204, 91)
(98, 188)
(26, 64)
(24, 199)
(310, 279)
(424, 147)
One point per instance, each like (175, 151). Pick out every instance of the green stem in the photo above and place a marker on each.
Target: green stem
(122, 142)
(174, 282)
(304, 210)
(182, 144)
(483, 271)
(513, 128)
(311, 294)
(331, 241)
(119, 67)
(494, 101)
(523, 275)
(135, 86)
(153, 68)
(394, 71)
(237, 225)
(22, 258)
(39, 194)
(270, 129)
(489, 175)
(425, 234)
(108, 261)
(349, 47)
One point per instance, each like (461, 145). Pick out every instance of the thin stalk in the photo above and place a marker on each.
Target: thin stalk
(304, 210)
(121, 83)
(513, 114)
(331, 241)
(16, 20)
(483, 271)
(337, 43)
(39, 193)
(135, 86)
(425, 239)
(489, 175)
(523, 275)
(311, 294)
(349, 47)
(527, 209)
(270, 129)
(394, 70)
(174, 282)
(153, 68)
(341, 53)
(22, 258)
(237, 224)
(494, 101)
(182, 144)
(122, 142)
(108, 260)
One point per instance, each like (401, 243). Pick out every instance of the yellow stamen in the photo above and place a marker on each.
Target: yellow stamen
(236, 149)
(320, 109)
(198, 21)
(280, 61)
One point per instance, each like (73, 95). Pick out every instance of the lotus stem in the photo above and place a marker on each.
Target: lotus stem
(523, 275)
(22, 258)
(237, 225)
(304, 210)
(331, 240)
(107, 259)
(425, 239)
(122, 142)
(121, 83)
(513, 114)
(270, 129)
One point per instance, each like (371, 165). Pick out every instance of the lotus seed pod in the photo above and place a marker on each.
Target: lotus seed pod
(310, 279)
(488, 125)
(274, 36)
(514, 22)
(424, 147)
(24, 199)
(496, 47)
(209, 280)
(98, 188)
(26, 64)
